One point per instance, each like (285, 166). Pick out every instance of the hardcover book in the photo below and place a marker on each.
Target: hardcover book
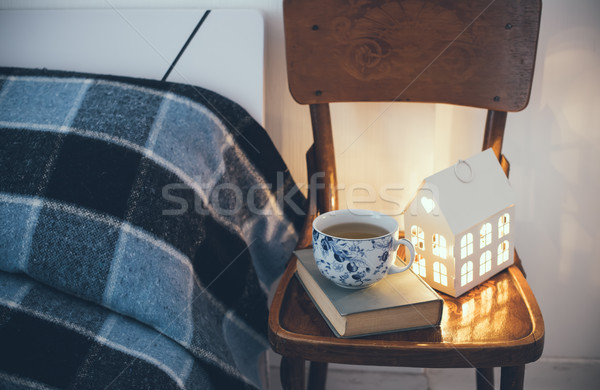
(400, 301)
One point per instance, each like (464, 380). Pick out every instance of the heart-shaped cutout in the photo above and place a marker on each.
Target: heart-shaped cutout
(428, 204)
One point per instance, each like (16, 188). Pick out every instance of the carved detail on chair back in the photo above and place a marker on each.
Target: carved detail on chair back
(368, 37)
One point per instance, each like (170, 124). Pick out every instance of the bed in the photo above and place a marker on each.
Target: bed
(142, 222)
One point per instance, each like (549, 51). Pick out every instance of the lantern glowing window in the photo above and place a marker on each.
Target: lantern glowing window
(466, 245)
(485, 262)
(440, 273)
(417, 237)
(485, 235)
(439, 246)
(420, 266)
(503, 225)
(503, 252)
(466, 273)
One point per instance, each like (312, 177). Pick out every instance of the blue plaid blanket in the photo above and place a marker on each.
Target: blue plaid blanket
(141, 224)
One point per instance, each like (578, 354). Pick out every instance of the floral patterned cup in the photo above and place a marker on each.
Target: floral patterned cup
(357, 263)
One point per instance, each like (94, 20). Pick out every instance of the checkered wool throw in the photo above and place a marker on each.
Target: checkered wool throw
(140, 227)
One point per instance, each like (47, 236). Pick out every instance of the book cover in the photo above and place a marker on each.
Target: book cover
(400, 301)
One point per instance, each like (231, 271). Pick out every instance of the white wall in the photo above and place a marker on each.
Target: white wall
(143, 43)
(553, 146)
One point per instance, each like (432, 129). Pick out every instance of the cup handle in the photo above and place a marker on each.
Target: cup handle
(394, 269)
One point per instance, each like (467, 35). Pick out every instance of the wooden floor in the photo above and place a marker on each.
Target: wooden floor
(546, 374)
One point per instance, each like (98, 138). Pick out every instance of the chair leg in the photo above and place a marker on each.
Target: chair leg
(317, 376)
(485, 378)
(512, 378)
(291, 373)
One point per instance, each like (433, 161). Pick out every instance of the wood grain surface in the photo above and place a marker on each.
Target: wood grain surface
(477, 53)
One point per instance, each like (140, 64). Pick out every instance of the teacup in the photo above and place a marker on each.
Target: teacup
(356, 248)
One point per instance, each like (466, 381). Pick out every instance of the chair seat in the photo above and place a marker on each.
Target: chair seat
(495, 324)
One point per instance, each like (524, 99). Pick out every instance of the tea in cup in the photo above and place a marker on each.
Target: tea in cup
(356, 248)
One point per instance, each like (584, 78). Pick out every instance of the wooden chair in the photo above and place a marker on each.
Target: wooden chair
(477, 53)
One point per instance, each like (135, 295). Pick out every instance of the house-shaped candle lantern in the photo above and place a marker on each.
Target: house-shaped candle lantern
(461, 222)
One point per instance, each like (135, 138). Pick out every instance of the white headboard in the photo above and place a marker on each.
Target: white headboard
(140, 39)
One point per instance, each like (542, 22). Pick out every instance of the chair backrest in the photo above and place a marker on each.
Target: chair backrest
(478, 53)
